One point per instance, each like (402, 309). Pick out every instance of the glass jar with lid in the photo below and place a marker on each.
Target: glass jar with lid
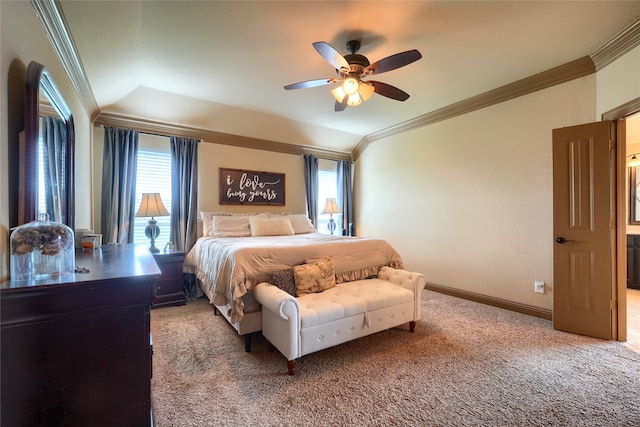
(42, 250)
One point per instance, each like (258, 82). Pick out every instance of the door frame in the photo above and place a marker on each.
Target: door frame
(619, 256)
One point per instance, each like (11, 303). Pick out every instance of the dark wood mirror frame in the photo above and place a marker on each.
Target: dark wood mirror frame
(39, 80)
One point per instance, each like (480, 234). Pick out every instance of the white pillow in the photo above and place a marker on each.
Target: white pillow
(226, 228)
(207, 219)
(270, 226)
(199, 228)
(230, 226)
(300, 222)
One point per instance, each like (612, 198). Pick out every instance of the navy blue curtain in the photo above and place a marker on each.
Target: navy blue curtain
(184, 192)
(311, 185)
(120, 161)
(344, 179)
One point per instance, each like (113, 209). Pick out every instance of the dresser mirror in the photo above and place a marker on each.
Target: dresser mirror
(47, 154)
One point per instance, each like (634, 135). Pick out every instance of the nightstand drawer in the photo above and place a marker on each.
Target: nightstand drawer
(171, 270)
(165, 287)
(169, 286)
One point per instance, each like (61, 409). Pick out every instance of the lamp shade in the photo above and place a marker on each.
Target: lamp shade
(330, 207)
(152, 205)
(355, 91)
(634, 161)
(352, 100)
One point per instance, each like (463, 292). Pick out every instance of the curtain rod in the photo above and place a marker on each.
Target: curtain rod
(204, 135)
(152, 133)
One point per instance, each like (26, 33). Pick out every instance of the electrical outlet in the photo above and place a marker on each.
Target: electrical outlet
(538, 286)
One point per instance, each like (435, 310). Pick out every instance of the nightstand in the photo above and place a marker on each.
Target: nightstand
(169, 290)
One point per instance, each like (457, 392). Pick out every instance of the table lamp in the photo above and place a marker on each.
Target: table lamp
(331, 207)
(152, 206)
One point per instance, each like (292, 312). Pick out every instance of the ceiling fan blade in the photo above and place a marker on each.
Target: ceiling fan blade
(340, 106)
(389, 91)
(310, 83)
(392, 62)
(331, 55)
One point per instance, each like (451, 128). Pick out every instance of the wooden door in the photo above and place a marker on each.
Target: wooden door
(582, 218)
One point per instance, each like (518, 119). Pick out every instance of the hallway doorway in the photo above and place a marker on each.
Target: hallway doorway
(633, 319)
(632, 140)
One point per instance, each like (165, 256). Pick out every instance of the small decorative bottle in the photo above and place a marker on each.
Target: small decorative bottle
(169, 248)
(42, 250)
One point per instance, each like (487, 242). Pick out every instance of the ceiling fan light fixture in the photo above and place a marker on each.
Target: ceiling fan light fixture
(352, 100)
(366, 91)
(352, 68)
(338, 93)
(355, 97)
(350, 86)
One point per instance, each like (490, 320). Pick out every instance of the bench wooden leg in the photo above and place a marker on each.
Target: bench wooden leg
(291, 366)
(412, 326)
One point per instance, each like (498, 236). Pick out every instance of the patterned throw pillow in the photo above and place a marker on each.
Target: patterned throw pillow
(315, 277)
(284, 280)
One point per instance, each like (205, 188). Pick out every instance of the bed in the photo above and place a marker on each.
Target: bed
(236, 252)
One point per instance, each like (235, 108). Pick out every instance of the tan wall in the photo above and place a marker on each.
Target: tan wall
(618, 83)
(211, 157)
(23, 40)
(468, 201)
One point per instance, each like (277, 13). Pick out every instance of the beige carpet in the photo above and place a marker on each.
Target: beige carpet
(467, 364)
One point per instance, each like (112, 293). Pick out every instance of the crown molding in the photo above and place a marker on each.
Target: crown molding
(619, 45)
(622, 43)
(166, 129)
(561, 74)
(623, 110)
(57, 31)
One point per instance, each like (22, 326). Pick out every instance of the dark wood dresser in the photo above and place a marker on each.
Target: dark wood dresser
(77, 351)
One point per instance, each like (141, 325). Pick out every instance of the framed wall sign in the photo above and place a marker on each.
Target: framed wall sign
(240, 187)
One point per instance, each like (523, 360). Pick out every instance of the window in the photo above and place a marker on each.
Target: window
(42, 202)
(56, 207)
(153, 176)
(327, 187)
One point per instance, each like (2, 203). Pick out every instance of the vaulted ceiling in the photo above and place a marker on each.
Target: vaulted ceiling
(222, 65)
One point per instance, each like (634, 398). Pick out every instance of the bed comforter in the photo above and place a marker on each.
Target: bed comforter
(230, 267)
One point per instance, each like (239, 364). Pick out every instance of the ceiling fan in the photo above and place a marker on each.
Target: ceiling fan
(352, 68)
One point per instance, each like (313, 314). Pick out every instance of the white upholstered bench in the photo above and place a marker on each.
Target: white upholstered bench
(297, 326)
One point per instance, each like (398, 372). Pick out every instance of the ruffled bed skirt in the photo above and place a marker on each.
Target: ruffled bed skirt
(365, 273)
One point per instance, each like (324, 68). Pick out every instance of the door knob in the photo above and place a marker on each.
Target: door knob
(562, 240)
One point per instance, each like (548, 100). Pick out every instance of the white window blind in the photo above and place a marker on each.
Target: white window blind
(42, 201)
(153, 176)
(327, 187)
